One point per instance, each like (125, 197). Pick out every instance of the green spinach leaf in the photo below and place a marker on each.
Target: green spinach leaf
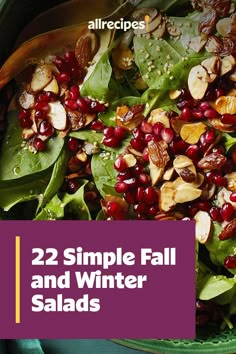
(215, 285)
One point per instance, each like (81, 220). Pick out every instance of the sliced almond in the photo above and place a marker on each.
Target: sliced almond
(86, 48)
(203, 226)
(27, 133)
(168, 174)
(173, 94)
(159, 116)
(82, 156)
(197, 82)
(185, 168)
(151, 26)
(160, 30)
(57, 115)
(158, 154)
(196, 184)
(166, 198)
(225, 105)
(227, 64)
(231, 181)
(223, 196)
(218, 125)
(130, 160)
(186, 193)
(212, 64)
(156, 173)
(26, 100)
(209, 192)
(52, 86)
(224, 26)
(41, 77)
(197, 43)
(191, 132)
(177, 124)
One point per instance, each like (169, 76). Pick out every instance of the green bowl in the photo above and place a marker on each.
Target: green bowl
(211, 341)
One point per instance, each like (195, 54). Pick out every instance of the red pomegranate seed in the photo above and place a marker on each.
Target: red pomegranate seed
(192, 210)
(203, 205)
(211, 113)
(83, 105)
(219, 150)
(140, 195)
(42, 106)
(24, 114)
(71, 104)
(215, 214)
(70, 56)
(46, 128)
(209, 136)
(204, 106)
(219, 92)
(121, 187)
(219, 180)
(123, 175)
(146, 127)
(43, 97)
(40, 115)
(51, 95)
(148, 137)
(140, 208)
(210, 94)
(130, 197)
(120, 164)
(185, 94)
(233, 197)
(193, 152)
(145, 155)
(138, 144)
(60, 63)
(186, 114)
(73, 144)
(39, 144)
(109, 132)
(74, 92)
(137, 169)
(197, 114)
(167, 134)
(228, 118)
(73, 186)
(97, 106)
(152, 210)
(157, 128)
(131, 182)
(186, 104)
(63, 77)
(120, 133)
(141, 217)
(178, 146)
(150, 195)
(230, 262)
(227, 211)
(26, 122)
(97, 125)
(115, 211)
(144, 179)
(137, 133)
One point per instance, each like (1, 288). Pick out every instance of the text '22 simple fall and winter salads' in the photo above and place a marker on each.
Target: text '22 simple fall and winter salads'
(141, 127)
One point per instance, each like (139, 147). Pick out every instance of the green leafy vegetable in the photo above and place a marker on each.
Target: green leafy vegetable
(215, 285)
(16, 162)
(229, 141)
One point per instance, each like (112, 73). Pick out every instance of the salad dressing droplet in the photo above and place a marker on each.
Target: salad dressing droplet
(16, 170)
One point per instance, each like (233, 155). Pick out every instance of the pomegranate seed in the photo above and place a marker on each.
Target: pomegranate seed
(219, 150)
(167, 134)
(204, 106)
(227, 211)
(186, 114)
(120, 164)
(185, 94)
(46, 128)
(150, 195)
(148, 137)
(131, 182)
(228, 167)
(74, 92)
(70, 56)
(193, 152)
(146, 127)
(97, 125)
(83, 105)
(42, 106)
(71, 104)
(144, 179)
(211, 113)
(215, 214)
(60, 63)
(26, 122)
(97, 106)
(141, 217)
(145, 155)
(123, 175)
(178, 146)
(219, 92)
(140, 208)
(43, 97)
(202, 319)
(39, 115)
(137, 133)
(233, 197)
(115, 211)
(157, 128)
(73, 144)
(137, 169)
(197, 114)
(76, 73)
(228, 118)
(209, 136)
(120, 133)
(138, 144)
(109, 132)
(140, 195)
(230, 262)
(211, 176)
(51, 95)
(186, 104)
(192, 210)
(203, 205)
(219, 180)
(73, 186)
(130, 197)
(152, 210)
(210, 94)
(24, 114)
(39, 144)
(121, 187)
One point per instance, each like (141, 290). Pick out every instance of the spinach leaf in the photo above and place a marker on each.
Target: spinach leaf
(229, 141)
(215, 285)
(15, 162)
(227, 297)
(56, 179)
(218, 249)
(104, 173)
(97, 84)
(54, 210)
(25, 189)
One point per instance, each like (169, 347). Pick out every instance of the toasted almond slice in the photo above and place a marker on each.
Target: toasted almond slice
(198, 82)
(182, 161)
(177, 124)
(209, 192)
(218, 125)
(191, 132)
(159, 115)
(196, 184)
(26, 100)
(160, 30)
(57, 115)
(227, 64)
(197, 43)
(52, 86)
(41, 77)
(226, 105)
(82, 156)
(166, 198)
(224, 26)
(173, 94)
(186, 193)
(203, 226)
(212, 64)
(223, 196)
(168, 174)
(151, 26)
(185, 168)
(130, 160)
(231, 181)
(156, 173)
(27, 133)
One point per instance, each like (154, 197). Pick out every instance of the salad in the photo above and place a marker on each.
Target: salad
(136, 126)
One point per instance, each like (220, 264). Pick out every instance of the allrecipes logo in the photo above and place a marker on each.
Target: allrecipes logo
(119, 25)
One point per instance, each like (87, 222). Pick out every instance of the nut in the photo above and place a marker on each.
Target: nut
(192, 132)
(224, 26)
(159, 116)
(166, 198)
(203, 226)
(168, 174)
(160, 30)
(57, 115)
(218, 125)
(212, 64)
(52, 86)
(86, 47)
(26, 100)
(231, 181)
(197, 43)
(185, 168)
(129, 118)
(225, 105)
(229, 231)
(173, 94)
(158, 154)
(151, 26)
(41, 77)
(198, 82)
(212, 161)
(156, 173)
(130, 160)
(227, 64)
(186, 193)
